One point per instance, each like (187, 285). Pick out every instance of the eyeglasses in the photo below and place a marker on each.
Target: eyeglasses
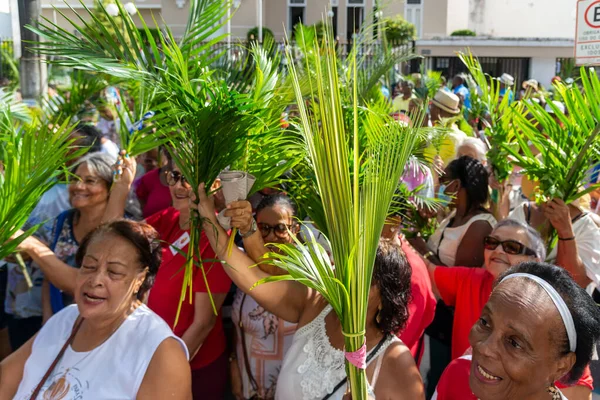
(509, 246)
(76, 180)
(280, 230)
(174, 176)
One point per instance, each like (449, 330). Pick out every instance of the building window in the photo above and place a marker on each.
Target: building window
(413, 13)
(442, 63)
(295, 13)
(334, 21)
(355, 18)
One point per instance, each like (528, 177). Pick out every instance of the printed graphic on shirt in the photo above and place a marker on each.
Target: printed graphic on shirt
(180, 243)
(63, 385)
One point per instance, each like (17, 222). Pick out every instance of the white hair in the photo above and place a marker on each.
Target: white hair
(477, 145)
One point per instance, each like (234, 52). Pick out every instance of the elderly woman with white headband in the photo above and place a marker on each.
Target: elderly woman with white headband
(539, 328)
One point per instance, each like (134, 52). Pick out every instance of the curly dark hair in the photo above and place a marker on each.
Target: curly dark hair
(585, 312)
(473, 177)
(142, 236)
(391, 274)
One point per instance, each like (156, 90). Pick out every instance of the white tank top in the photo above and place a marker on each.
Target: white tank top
(445, 240)
(113, 370)
(312, 367)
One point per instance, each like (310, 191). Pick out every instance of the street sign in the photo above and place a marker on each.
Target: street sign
(587, 35)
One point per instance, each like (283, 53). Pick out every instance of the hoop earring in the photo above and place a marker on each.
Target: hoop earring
(554, 392)
(378, 317)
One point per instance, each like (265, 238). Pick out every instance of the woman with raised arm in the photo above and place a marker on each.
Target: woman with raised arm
(313, 368)
(261, 339)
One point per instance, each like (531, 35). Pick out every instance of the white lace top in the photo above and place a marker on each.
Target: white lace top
(312, 367)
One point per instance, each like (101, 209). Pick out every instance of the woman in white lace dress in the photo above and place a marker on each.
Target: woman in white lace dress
(313, 368)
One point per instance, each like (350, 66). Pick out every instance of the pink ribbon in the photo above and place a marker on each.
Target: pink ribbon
(358, 358)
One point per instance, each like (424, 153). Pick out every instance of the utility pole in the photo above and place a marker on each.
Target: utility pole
(31, 79)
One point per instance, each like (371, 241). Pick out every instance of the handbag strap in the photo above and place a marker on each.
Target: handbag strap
(57, 359)
(245, 351)
(369, 358)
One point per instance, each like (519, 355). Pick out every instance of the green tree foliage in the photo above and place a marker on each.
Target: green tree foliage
(252, 35)
(463, 32)
(398, 31)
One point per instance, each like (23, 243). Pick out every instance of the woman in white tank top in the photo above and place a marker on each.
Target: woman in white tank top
(313, 368)
(458, 239)
(108, 345)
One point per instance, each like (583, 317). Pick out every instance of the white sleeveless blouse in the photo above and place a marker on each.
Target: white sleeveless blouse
(445, 240)
(113, 370)
(312, 367)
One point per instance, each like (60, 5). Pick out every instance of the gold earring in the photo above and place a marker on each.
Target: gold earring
(554, 392)
(378, 317)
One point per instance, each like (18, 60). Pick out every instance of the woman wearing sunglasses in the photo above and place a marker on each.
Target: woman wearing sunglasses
(199, 328)
(469, 289)
(258, 355)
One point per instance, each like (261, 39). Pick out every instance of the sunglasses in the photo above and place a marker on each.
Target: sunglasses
(280, 230)
(509, 246)
(174, 176)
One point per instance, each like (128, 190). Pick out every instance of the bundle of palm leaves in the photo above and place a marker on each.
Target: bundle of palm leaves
(560, 152)
(356, 155)
(209, 124)
(31, 159)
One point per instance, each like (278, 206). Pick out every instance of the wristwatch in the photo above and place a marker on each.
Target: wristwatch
(253, 228)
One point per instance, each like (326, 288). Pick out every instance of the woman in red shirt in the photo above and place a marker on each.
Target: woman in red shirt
(152, 189)
(469, 289)
(200, 329)
(198, 326)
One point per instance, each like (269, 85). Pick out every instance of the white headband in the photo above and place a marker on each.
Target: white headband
(560, 304)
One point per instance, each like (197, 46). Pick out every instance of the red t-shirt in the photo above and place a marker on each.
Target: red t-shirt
(153, 193)
(467, 290)
(454, 382)
(165, 294)
(421, 309)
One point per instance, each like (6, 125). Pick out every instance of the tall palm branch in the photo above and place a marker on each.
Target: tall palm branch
(355, 188)
(210, 125)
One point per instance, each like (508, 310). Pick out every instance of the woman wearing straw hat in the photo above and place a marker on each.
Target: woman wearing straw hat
(446, 105)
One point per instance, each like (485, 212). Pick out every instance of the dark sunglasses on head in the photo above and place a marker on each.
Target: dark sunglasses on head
(280, 230)
(509, 246)
(174, 176)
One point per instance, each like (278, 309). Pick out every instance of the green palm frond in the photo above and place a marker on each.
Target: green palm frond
(12, 112)
(68, 103)
(498, 114)
(356, 177)
(32, 158)
(567, 147)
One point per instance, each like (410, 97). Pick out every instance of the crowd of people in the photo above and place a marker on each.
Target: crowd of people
(105, 319)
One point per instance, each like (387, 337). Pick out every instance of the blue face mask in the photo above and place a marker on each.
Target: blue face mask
(447, 199)
(443, 196)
